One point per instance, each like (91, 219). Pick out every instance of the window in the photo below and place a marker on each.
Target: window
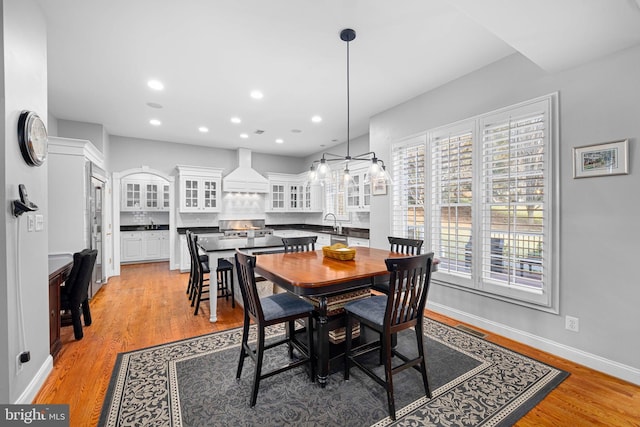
(408, 196)
(490, 205)
(335, 197)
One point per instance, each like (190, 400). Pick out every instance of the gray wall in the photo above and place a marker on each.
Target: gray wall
(24, 307)
(80, 130)
(599, 231)
(127, 153)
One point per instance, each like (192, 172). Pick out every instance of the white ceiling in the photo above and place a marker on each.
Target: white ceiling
(211, 53)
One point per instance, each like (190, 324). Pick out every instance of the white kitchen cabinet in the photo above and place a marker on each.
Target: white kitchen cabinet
(356, 241)
(144, 192)
(144, 245)
(200, 189)
(293, 193)
(312, 201)
(359, 191)
(277, 196)
(131, 246)
(296, 196)
(131, 194)
(164, 248)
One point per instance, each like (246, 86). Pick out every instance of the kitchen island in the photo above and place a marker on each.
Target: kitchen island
(214, 244)
(219, 246)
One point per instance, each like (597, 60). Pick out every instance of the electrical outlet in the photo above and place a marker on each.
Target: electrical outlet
(31, 222)
(572, 323)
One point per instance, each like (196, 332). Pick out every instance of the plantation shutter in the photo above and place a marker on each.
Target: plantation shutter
(408, 211)
(452, 200)
(514, 192)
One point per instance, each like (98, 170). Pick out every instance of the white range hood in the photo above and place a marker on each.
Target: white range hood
(245, 179)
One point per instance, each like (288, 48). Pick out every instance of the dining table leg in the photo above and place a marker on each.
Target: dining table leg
(323, 343)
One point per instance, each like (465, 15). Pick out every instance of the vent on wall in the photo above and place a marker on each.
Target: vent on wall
(259, 132)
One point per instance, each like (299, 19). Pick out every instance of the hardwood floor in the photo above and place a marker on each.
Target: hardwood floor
(147, 305)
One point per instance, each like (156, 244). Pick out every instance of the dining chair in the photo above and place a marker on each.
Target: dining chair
(224, 277)
(400, 245)
(74, 295)
(201, 287)
(192, 272)
(402, 308)
(299, 244)
(271, 310)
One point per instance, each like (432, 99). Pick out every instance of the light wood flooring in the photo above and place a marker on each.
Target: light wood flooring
(147, 305)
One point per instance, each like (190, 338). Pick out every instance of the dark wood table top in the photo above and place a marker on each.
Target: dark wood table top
(311, 273)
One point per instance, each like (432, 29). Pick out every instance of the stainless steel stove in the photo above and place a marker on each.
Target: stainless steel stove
(248, 228)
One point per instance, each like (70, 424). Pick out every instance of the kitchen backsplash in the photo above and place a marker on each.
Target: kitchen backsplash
(143, 218)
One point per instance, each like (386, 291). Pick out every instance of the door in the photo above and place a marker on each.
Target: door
(96, 202)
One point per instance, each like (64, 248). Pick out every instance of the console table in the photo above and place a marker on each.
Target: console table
(59, 268)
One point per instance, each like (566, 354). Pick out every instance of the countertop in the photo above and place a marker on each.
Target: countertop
(362, 233)
(220, 243)
(155, 227)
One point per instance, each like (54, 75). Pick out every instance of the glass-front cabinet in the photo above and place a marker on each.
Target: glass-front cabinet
(144, 192)
(359, 191)
(200, 189)
(293, 193)
(131, 195)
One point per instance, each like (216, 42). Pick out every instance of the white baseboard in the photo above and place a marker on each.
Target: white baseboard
(593, 361)
(36, 383)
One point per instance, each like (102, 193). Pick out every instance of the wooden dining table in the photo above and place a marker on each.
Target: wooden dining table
(311, 274)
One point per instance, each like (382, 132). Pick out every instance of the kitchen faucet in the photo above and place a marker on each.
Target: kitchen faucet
(337, 226)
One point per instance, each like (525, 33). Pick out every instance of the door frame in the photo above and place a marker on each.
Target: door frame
(116, 186)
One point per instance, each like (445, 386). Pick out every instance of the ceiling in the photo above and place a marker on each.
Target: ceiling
(210, 54)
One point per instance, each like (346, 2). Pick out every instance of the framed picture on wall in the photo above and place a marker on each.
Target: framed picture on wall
(378, 186)
(609, 158)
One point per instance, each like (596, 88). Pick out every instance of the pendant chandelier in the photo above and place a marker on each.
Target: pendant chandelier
(320, 169)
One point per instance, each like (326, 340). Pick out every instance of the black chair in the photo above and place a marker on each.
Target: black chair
(224, 276)
(267, 311)
(403, 246)
(401, 309)
(192, 273)
(74, 295)
(299, 244)
(200, 290)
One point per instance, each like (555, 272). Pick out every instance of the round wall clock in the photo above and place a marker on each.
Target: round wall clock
(32, 137)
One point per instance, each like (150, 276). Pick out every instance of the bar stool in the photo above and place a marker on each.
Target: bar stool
(224, 273)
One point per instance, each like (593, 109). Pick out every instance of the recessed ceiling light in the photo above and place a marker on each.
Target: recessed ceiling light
(256, 94)
(155, 84)
(279, 141)
(316, 119)
(244, 135)
(154, 105)
(236, 120)
(155, 122)
(203, 129)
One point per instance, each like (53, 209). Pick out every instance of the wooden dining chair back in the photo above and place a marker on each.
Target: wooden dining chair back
(201, 288)
(402, 308)
(400, 245)
(74, 295)
(266, 311)
(192, 271)
(405, 246)
(299, 244)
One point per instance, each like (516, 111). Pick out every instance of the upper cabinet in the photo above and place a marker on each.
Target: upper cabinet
(200, 189)
(292, 193)
(359, 191)
(144, 192)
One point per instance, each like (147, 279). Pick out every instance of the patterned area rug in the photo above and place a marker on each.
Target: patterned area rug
(192, 383)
